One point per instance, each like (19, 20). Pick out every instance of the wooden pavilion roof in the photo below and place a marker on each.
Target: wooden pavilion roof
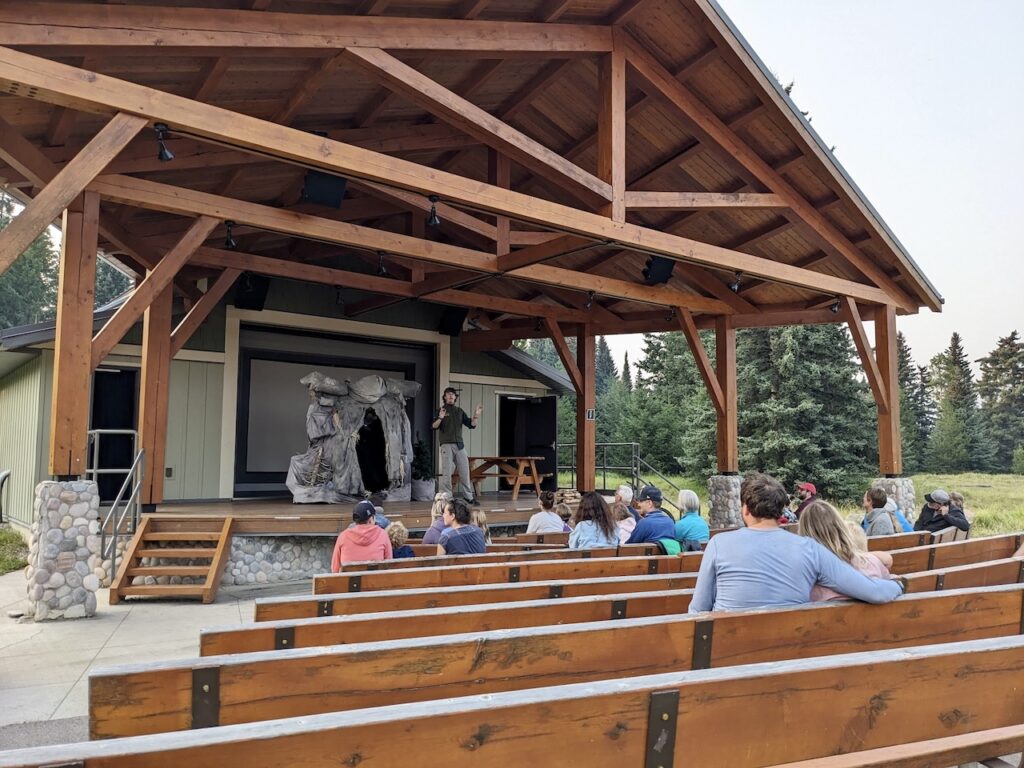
(703, 116)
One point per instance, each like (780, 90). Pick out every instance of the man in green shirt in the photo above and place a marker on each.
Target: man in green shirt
(448, 424)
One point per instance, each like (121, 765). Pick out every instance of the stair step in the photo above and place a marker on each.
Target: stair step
(184, 536)
(168, 570)
(176, 552)
(163, 590)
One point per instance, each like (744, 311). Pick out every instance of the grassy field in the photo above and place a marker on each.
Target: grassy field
(13, 551)
(995, 503)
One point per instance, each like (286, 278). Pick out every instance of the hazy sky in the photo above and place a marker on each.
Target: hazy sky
(924, 101)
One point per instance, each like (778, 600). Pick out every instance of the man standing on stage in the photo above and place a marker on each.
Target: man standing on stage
(448, 423)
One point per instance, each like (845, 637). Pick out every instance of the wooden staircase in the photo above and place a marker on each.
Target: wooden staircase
(209, 541)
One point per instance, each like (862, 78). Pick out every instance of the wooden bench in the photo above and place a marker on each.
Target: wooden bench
(540, 552)
(833, 705)
(430, 550)
(259, 686)
(986, 573)
(543, 538)
(348, 603)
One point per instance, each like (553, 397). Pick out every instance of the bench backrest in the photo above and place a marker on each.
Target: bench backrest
(833, 704)
(498, 573)
(1008, 570)
(946, 555)
(899, 541)
(261, 686)
(501, 555)
(543, 538)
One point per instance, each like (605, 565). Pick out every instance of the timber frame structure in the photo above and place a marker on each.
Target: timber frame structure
(561, 143)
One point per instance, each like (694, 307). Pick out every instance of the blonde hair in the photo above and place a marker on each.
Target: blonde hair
(564, 511)
(858, 537)
(398, 533)
(620, 511)
(479, 518)
(820, 521)
(440, 502)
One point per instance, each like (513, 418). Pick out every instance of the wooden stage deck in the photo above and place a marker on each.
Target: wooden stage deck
(280, 516)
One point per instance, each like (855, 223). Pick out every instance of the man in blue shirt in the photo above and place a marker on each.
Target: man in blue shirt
(654, 523)
(763, 565)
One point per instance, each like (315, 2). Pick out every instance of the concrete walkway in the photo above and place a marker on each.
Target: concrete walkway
(44, 668)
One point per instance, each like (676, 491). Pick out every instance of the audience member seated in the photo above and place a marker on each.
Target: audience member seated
(763, 565)
(461, 537)
(594, 526)
(624, 521)
(823, 523)
(956, 500)
(379, 519)
(433, 534)
(547, 520)
(937, 514)
(564, 511)
(691, 529)
(479, 518)
(399, 535)
(880, 522)
(624, 493)
(654, 523)
(363, 541)
(806, 494)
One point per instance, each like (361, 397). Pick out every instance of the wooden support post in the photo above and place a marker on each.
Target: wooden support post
(611, 130)
(890, 446)
(725, 364)
(69, 409)
(499, 172)
(700, 357)
(153, 396)
(586, 412)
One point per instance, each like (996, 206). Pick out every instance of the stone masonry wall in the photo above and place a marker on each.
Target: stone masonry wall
(901, 489)
(64, 551)
(724, 501)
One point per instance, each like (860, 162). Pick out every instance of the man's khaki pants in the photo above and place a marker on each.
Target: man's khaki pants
(454, 459)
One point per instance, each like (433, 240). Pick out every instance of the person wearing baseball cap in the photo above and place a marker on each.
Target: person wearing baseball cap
(363, 541)
(807, 494)
(654, 523)
(937, 514)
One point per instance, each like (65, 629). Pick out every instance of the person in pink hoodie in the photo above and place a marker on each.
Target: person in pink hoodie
(363, 541)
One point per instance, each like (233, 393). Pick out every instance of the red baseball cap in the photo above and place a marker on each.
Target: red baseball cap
(807, 487)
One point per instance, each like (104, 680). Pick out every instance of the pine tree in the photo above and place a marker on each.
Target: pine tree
(953, 384)
(910, 417)
(1001, 388)
(28, 289)
(604, 367)
(627, 374)
(111, 282)
(948, 450)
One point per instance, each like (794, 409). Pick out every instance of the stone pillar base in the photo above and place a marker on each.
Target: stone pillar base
(724, 501)
(901, 489)
(64, 551)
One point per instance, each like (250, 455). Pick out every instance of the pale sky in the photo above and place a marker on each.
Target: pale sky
(924, 101)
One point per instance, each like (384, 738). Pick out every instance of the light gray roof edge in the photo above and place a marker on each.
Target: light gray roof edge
(537, 369)
(816, 138)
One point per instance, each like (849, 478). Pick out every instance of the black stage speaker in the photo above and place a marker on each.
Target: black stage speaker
(658, 270)
(324, 189)
(251, 291)
(452, 320)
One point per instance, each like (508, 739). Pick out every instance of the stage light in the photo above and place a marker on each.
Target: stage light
(164, 155)
(734, 286)
(229, 240)
(590, 300)
(834, 307)
(382, 271)
(433, 220)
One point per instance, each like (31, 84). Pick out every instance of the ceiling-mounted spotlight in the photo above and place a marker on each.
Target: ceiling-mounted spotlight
(382, 271)
(671, 315)
(229, 240)
(590, 300)
(433, 220)
(164, 155)
(734, 286)
(834, 307)
(339, 300)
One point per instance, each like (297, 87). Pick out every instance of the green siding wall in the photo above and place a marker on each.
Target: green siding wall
(21, 438)
(193, 430)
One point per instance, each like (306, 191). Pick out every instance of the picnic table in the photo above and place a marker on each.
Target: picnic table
(517, 470)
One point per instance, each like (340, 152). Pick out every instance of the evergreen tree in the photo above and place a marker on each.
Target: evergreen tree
(948, 450)
(28, 289)
(1018, 460)
(627, 375)
(910, 417)
(111, 282)
(604, 367)
(953, 384)
(1001, 388)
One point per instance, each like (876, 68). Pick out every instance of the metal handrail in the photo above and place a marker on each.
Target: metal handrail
(93, 471)
(130, 512)
(636, 469)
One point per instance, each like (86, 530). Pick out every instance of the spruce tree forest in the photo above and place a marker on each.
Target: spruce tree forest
(805, 410)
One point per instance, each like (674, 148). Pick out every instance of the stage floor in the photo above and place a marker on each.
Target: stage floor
(279, 516)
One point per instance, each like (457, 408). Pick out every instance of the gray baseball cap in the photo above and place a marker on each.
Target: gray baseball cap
(938, 496)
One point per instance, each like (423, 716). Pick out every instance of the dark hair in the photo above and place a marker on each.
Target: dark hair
(763, 496)
(449, 389)
(547, 499)
(461, 512)
(594, 507)
(878, 498)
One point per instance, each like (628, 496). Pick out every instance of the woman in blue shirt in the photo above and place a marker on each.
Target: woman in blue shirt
(691, 528)
(595, 526)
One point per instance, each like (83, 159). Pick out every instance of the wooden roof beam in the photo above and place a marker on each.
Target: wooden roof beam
(851, 315)
(695, 201)
(700, 356)
(711, 129)
(466, 116)
(50, 81)
(74, 26)
(190, 323)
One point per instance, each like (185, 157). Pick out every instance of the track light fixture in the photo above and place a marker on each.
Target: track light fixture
(734, 286)
(433, 220)
(382, 271)
(590, 300)
(339, 300)
(834, 307)
(671, 315)
(229, 240)
(164, 155)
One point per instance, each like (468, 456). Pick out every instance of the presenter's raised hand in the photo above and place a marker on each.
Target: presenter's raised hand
(477, 411)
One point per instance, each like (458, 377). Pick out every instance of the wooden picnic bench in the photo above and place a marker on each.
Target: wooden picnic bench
(261, 686)
(516, 470)
(834, 704)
